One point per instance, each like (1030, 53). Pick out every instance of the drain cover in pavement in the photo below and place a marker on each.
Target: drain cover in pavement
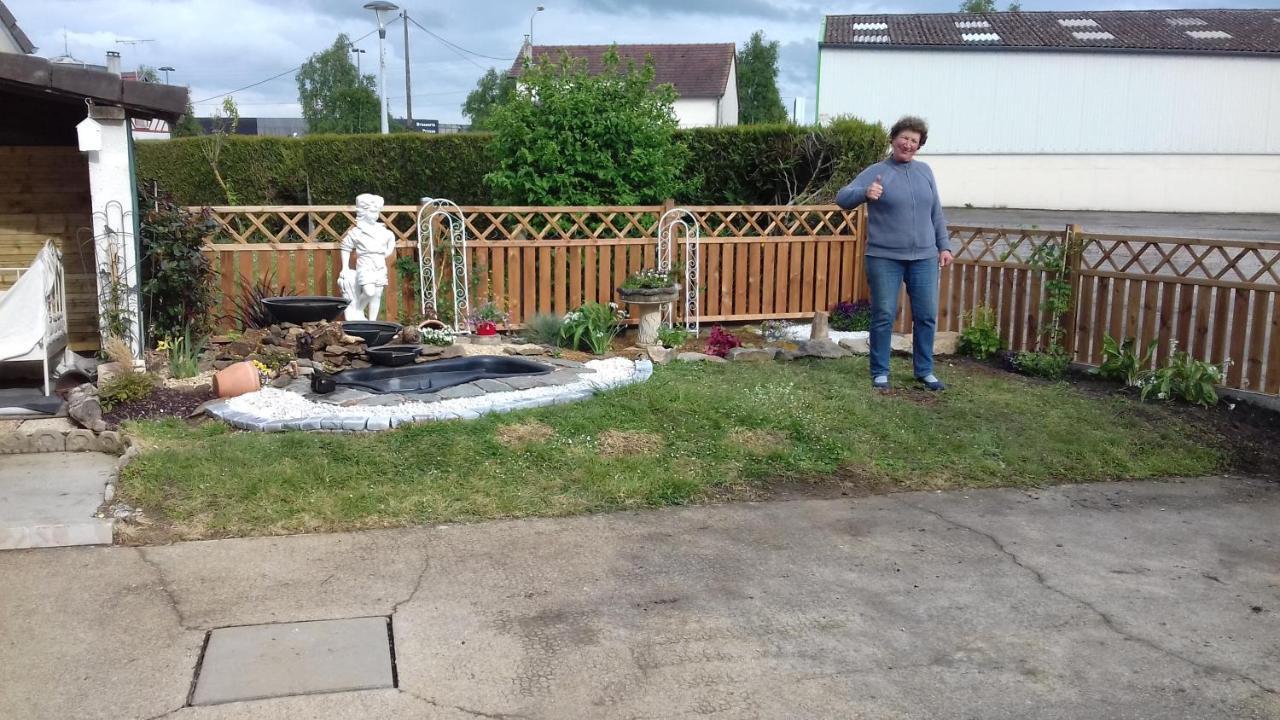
(252, 662)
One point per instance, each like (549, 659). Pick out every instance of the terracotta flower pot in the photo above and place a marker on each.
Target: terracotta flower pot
(236, 380)
(486, 327)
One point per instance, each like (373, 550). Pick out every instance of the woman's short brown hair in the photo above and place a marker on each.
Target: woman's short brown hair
(913, 123)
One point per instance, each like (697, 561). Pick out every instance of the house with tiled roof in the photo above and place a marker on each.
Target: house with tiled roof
(1144, 110)
(704, 75)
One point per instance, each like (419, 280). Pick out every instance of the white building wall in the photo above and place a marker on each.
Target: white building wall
(696, 112)
(729, 103)
(7, 43)
(1113, 131)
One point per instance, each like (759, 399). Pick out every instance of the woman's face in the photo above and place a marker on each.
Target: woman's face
(905, 145)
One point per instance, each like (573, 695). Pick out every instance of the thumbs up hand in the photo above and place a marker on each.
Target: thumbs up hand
(876, 190)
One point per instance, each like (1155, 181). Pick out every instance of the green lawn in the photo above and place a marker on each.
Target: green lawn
(694, 432)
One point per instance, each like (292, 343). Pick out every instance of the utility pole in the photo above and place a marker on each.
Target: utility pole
(408, 89)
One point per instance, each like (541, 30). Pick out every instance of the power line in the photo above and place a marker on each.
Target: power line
(273, 77)
(459, 47)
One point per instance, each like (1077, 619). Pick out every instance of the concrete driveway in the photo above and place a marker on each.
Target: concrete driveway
(1124, 600)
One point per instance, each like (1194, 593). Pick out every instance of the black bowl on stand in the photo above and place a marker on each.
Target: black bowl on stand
(372, 332)
(299, 309)
(393, 355)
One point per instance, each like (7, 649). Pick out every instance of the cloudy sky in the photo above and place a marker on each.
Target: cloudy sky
(221, 46)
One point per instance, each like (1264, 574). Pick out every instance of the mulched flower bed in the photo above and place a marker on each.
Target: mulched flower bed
(160, 403)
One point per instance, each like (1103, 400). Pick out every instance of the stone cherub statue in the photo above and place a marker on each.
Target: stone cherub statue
(373, 244)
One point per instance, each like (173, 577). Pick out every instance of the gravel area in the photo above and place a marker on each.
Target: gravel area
(274, 409)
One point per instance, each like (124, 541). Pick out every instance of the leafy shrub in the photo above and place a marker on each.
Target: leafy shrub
(980, 337)
(672, 336)
(1048, 365)
(1183, 378)
(719, 343)
(573, 137)
(775, 330)
(250, 312)
(179, 285)
(125, 388)
(650, 278)
(592, 327)
(544, 329)
(851, 316)
(1122, 361)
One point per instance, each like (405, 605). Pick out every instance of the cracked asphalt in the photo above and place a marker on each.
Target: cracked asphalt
(1118, 600)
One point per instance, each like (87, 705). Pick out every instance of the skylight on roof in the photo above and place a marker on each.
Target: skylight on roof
(1185, 21)
(1209, 34)
(980, 37)
(968, 24)
(1097, 35)
(1078, 22)
(871, 38)
(871, 26)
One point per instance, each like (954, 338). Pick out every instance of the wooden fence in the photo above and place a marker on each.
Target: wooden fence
(756, 261)
(1217, 299)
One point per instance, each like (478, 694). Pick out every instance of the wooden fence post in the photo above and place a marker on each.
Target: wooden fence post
(1074, 263)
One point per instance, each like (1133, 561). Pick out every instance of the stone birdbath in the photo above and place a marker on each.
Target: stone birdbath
(650, 302)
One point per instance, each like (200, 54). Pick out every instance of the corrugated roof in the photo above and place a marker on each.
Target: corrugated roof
(31, 74)
(1187, 31)
(695, 70)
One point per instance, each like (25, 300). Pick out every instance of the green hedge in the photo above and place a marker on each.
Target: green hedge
(753, 164)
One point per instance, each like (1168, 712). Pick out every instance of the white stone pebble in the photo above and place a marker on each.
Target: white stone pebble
(801, 332)
(270, 404)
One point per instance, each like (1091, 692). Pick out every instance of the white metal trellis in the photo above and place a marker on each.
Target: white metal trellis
(438, 212)
(674, 222)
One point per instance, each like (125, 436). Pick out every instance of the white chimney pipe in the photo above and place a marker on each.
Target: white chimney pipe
(113, 62)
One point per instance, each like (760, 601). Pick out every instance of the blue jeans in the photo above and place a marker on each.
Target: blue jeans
(885, 277)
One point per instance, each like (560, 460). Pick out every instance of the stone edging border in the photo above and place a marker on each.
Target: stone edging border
(47, 435)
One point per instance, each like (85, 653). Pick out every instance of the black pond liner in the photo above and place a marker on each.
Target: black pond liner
(299, 309)
(438, 374)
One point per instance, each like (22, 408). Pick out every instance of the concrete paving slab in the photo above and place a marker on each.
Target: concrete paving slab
(289, 579)
(90, 633)
(48, 499)
(380, 704)
(263, 661)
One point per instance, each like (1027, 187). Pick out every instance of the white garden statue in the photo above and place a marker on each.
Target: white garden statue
(373, 244)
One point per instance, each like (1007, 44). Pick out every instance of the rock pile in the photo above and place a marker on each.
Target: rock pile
(278, 345)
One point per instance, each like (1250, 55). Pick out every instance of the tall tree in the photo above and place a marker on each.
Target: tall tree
(491, 91)
(984, 6)
(758, 98)
(569, 137)
(335, 98)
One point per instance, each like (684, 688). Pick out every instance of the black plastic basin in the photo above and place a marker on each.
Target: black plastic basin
(372, 332)
(299, 309)
(393, 355)
(439, 374)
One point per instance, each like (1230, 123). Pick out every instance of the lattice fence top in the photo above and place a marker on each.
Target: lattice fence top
(327, 224)
(1227, 261)
(1000, 246)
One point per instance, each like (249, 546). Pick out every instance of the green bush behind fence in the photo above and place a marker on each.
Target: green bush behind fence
(754, 164)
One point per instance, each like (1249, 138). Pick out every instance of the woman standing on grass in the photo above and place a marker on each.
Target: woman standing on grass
(906, 242)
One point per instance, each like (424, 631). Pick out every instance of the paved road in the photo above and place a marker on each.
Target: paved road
(1262, 228)
(1125, 600)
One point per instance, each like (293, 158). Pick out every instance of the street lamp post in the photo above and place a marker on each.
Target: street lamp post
(378, 7)
(166, 70)
(531, 15)
(359, 53)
